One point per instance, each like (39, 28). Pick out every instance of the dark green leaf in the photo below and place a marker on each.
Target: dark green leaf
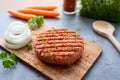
(108, 10)
(39, 20)
(8, 61)
(11, 63)
(3, 55)
(12, 57)
(6, 64)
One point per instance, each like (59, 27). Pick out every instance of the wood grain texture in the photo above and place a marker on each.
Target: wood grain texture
(76, 71)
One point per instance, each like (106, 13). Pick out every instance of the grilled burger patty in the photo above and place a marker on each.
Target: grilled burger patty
(59, 46)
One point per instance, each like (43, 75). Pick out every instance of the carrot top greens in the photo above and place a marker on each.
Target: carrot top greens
(101, 9)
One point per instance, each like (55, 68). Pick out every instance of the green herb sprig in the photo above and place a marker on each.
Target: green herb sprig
(75, 35)
(46, 55)
(7, 61)
(35, 22)
(55, 45)
(43, 38)
(29, 46)
(108, 10)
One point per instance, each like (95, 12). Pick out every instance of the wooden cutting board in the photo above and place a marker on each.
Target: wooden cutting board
(75, 71)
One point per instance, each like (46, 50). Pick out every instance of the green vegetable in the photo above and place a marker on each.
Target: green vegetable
(55, 45)
(75, 35)
(35, 22)
(108, 10)
(68, 35)
(29, 46)
(43, 38)
(46, 55)
(7, 61)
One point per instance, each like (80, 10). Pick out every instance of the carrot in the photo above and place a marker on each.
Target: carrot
(43, 7)
(44, 13)
(20, 15)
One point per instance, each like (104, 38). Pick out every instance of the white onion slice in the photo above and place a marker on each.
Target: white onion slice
(17, 35)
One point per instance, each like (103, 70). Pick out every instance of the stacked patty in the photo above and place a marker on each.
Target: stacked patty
(59, 46)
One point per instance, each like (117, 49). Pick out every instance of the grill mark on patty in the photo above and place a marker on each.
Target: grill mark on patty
(59, 53)
(56, 34)
(59, 30)
(59, 45)
(58, 41)
(51, 41)
(57, 38)
(62, 49)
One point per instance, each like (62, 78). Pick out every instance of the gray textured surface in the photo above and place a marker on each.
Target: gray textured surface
(107, 67)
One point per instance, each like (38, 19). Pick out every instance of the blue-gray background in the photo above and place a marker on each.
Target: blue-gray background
(107, 67)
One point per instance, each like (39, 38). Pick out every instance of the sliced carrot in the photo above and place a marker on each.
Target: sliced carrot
(20, 15)
(43, 7)
(44, 13)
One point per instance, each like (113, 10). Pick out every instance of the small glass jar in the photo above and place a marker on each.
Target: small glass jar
(69, 6)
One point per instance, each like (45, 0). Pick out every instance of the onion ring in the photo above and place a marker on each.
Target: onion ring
(17, 35)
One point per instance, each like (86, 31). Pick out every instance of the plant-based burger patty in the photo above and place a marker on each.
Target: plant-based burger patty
(59, 46)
